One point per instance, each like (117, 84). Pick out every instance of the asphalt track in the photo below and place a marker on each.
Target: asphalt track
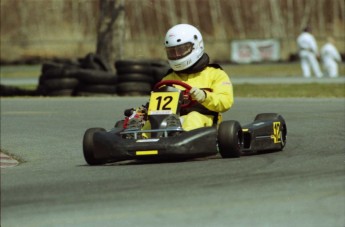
(304, 185)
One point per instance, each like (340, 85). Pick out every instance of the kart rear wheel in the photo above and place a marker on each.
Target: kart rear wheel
(88, 147)
(230, 139)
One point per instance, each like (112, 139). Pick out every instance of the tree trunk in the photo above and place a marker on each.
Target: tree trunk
(172, 13)
(236, 10)
(195, 15)
(110, 34)
(278, 29)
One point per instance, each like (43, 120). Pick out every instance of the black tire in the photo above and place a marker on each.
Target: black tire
(133, 93)
(160, 69)
(159, 63)
(61, 92)
(140, 69)
(134, 86)
(94, 61)
(160, 72)
(275, 117)
(6, 90)
(53, 73)
(136, 77)
(96, 90)
(134, 66)
(51, 66)
(130, 62)
(93, 94)
(283, 137)
(230, 139)
(58, 84)
(91, 76)
(88, 147)
(52, 70)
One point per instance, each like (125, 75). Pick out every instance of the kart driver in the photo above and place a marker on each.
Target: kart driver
(211, 86)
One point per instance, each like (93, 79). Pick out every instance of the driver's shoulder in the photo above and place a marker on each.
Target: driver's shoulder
(170, 76)
(215, 66)
(214, 69)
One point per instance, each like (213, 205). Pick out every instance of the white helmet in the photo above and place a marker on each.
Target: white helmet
(184, 46)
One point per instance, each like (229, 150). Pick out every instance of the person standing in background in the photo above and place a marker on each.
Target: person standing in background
(308, 53)
(330, 58)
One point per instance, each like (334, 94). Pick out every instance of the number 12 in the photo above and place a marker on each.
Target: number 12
(166, 101)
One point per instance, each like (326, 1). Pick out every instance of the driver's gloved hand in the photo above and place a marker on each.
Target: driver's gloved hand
(129, 112)
(197, 94)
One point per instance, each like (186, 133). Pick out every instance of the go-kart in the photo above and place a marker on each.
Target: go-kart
(166, 140)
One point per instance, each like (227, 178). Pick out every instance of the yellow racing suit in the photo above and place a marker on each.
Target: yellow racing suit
(219, 99)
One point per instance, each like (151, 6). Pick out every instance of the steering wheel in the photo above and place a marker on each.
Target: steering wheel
(185, 93)
(170, 83)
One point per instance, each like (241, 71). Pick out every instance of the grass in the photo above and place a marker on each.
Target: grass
(20, 71)
(264, 70)
(312, 90)
(234, 70)
(292, 69)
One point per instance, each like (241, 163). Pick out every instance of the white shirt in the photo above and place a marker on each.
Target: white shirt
(330, 53)
(306, 41)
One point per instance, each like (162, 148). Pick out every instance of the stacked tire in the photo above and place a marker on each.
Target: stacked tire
(137, 77)
(96, 77)
(10, 91)
(89, 76)
(160, 69)
(93, 82)
(57, 79)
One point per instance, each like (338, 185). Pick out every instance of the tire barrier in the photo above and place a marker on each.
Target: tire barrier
(7, 91)
(95, 82)
(136, 88)
(57, 79)
(91, 76)
(137, 77)
(88, 77)
(93, 61)
(160, 69)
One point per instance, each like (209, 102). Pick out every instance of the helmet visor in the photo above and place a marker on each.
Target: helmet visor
(180, 51)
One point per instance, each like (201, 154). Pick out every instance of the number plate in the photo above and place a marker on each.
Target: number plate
(163, 103)
(276, 132)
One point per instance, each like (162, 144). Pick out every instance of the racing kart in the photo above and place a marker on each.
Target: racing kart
(166, 140)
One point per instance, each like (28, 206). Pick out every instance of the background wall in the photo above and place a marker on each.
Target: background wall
(67, 28)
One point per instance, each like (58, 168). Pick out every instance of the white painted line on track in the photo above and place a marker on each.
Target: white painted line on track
(7, 161)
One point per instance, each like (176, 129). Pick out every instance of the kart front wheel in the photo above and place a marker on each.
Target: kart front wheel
(230, 139)
(88, 147)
